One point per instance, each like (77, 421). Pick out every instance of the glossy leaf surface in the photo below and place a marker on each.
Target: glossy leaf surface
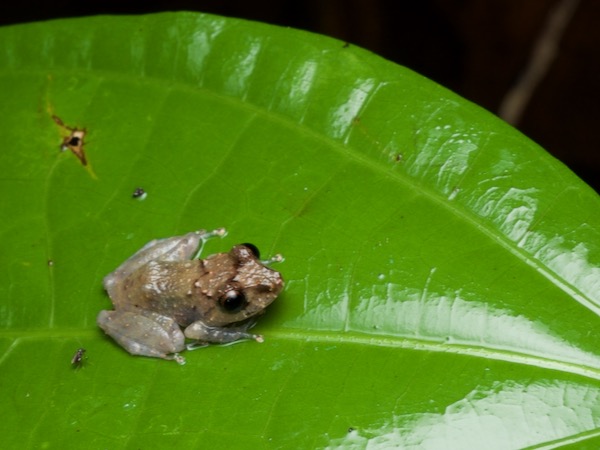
(443, 272)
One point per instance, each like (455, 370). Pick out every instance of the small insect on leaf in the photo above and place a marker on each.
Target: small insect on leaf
(139, 194)
(77, 360)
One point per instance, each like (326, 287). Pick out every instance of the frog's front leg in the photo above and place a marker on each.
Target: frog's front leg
(144, 333)
(177, 248)
(203, 333)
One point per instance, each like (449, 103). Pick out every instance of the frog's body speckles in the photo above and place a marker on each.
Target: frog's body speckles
(160, 289)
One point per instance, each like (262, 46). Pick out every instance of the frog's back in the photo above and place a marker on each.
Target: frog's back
(167, 288)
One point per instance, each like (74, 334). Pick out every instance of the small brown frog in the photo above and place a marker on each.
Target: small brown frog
(165, 286)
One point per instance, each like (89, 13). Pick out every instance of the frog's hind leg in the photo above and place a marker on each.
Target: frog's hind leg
(144, 333)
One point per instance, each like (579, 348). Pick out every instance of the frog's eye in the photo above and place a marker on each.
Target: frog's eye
(233, 301)
(253, 248)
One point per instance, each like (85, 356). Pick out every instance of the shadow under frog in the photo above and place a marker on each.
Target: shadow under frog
(161, 288)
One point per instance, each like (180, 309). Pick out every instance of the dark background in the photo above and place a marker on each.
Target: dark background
(478, 48)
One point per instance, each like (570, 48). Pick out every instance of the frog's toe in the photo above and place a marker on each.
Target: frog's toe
(196, 345)
(178, 359)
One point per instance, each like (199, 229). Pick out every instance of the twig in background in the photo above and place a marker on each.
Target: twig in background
(543, 53)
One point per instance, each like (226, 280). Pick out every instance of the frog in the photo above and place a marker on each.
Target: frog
(165, 295)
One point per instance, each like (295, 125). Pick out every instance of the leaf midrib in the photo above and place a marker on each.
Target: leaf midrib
(345, 338)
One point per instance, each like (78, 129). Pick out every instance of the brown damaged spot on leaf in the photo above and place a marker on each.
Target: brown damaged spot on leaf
(74, 141)
(361, 128)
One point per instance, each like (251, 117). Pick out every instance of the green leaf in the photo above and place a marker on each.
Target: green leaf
(442, 271)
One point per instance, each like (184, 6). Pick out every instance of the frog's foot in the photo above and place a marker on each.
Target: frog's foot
(179, 359)
(254, 249)
(177, 248)
(274, 259)
(205, 236)
(144, 333)
(219, 335)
